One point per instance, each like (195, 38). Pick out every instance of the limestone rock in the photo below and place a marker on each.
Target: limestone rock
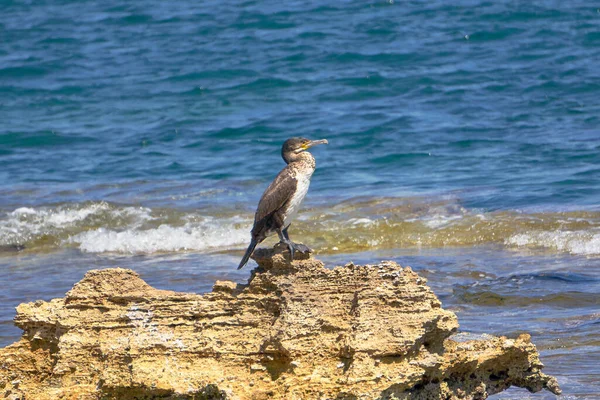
(295, 331)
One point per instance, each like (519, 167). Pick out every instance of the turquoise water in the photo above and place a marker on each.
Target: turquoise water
(464, 142)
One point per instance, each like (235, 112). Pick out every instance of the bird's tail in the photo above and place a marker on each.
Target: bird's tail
(249, 252)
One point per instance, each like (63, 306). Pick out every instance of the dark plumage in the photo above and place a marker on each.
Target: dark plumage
(281, 200)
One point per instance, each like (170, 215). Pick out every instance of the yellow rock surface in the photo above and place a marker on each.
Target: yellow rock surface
(295, 331)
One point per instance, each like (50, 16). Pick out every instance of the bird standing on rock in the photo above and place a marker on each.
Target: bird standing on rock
(279, 204)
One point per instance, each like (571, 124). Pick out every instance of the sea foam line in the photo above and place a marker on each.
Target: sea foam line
(574, 242)
(207, 235)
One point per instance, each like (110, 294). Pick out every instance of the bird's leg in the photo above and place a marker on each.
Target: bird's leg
(287, 242)
(284, 236)
(285, 232)
(297, 246)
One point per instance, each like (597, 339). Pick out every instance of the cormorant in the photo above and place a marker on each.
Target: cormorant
(279, 204)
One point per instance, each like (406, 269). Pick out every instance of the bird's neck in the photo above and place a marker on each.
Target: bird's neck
(302, 160)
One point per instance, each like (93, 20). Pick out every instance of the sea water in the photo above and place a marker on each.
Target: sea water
(464, 142)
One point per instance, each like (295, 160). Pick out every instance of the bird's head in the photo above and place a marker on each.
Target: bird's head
(293, 147)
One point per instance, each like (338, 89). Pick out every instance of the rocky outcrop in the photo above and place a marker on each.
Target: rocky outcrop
(295, 331)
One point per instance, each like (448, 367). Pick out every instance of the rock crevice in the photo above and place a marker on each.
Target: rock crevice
(295, 331)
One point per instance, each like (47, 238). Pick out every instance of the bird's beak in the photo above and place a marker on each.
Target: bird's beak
(316, 142)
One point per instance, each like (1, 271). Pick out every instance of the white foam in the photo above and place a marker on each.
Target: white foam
(574, 242)
(361, 221)
(210, 234)
(440, 216)
(25, 224)
(24, 210)
(67, 215)
(438, 221)
(63, 217)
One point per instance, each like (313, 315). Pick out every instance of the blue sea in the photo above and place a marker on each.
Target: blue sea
(464, 141)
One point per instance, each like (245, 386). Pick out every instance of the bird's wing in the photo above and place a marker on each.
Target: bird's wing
(276, 195)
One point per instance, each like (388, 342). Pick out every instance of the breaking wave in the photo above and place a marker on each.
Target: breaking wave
(201, 236)
(362, 224)
(102, 227)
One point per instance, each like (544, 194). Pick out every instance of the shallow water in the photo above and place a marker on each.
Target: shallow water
(463, 141)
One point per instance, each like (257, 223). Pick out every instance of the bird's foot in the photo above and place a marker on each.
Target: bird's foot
(290, 246)
(302, 248)
(301, 252)
(295, 247)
